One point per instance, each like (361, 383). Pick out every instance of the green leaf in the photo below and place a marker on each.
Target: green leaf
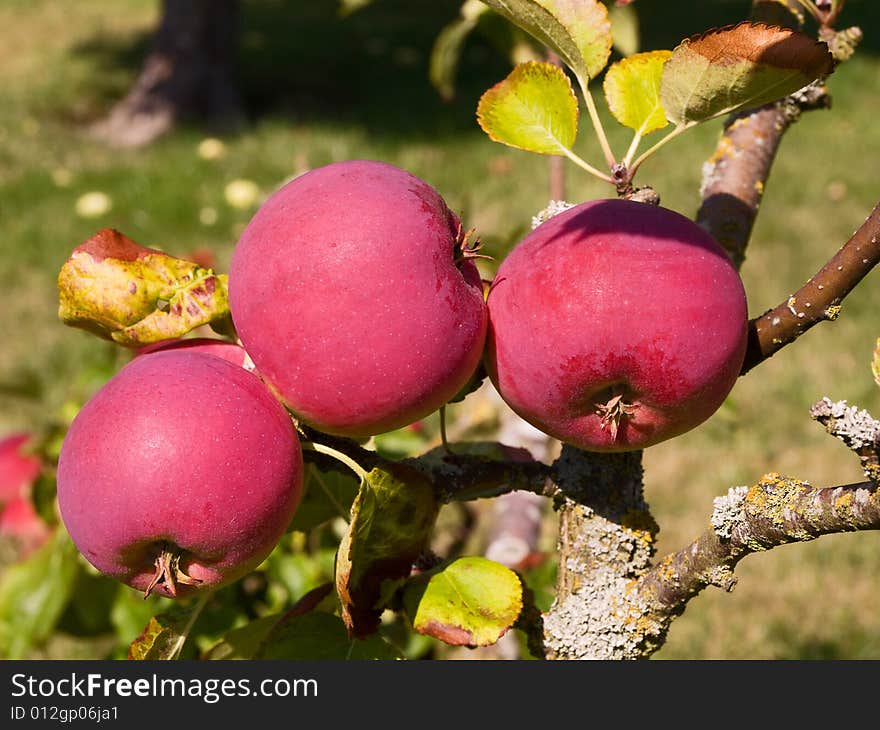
(391, 521)
(469, 602)
(741, 66)
(578, 30)
(319, 635)
(164, 634)
(875, 363)
(131, 612)
(327, 495)
(446, 52)
(34, 593)
(245, 641)
(533, 109)
(133, 295)
(632, 88)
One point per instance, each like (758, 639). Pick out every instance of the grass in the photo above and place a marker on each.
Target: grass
(319, 89)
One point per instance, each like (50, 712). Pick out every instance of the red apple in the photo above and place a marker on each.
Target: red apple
(206, 345)
(352, 291)
(18, 469)
(616, 325)
(20, 521)
(181, 473)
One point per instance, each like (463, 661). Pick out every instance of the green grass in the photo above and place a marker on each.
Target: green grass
(321, 89)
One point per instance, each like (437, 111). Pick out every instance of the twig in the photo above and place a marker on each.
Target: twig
(858, 429)
(819, 299)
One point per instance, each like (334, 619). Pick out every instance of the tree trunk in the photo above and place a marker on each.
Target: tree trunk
(187, 74)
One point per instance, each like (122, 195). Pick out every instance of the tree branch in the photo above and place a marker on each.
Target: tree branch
(775, 511)
(856, 428)
(733, 186)
(819, 299)
(474, 471)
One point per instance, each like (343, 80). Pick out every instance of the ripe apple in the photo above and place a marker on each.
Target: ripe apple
(352, 291)
(181, 473)
(20, 522)
(18, 469)
(616, 325)
(206, 345)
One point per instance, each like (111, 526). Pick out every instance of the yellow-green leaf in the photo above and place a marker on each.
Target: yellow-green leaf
(119, 290)
(875, 363)
(632, 88)
(578, 30)
(469, 602)
(741, 66)
(533, 109)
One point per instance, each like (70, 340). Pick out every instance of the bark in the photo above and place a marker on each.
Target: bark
(188, 74)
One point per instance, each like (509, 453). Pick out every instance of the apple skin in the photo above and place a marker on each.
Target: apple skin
(18, 470)
(206, 345)
(345, 292)
(616, 297)
(181, 451)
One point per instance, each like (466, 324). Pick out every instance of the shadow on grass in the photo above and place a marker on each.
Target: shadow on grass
(302, 61)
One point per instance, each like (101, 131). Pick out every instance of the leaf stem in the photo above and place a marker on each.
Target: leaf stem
(586, 166)
(330, 496)
(669, 137)
(184, 635)
(597, 123)
(338, 455)
(633, 146)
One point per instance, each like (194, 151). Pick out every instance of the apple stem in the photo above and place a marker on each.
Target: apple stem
(443, 437)
(338, 455)
(613, 412)
(168, 571)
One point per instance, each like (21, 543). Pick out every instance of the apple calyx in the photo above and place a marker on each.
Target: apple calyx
(464, 249)
(613, 411)
(168, 571)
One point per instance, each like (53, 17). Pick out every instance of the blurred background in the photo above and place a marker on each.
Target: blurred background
(85, 143)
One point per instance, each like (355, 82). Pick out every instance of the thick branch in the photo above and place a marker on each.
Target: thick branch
(819, 299)
(735, 175)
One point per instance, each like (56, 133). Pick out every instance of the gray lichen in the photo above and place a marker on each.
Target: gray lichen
(728, 511)
(855, 427)
(554, 207)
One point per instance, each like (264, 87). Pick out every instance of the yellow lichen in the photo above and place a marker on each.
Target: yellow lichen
(843, 502)
(723, 151)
